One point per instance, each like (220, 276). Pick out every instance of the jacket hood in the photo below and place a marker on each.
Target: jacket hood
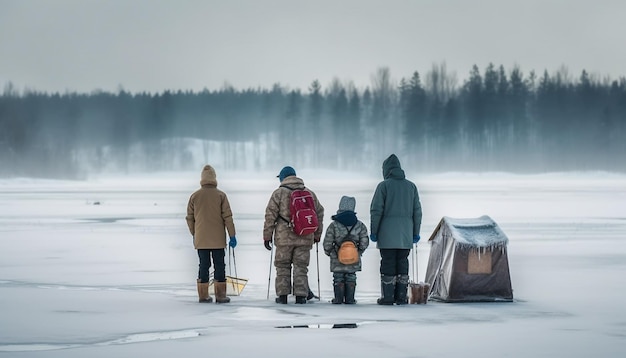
(208, 176)
(392, 168)
(347, 203)
(292, 182)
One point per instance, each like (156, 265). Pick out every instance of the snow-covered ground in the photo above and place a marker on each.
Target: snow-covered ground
(106, 268)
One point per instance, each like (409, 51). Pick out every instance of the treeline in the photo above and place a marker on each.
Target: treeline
(495, 120)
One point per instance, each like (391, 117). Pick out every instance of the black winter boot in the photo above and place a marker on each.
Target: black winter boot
(402, 282)
(339, 288)
(300, 300)
(350, 288)
(282, 299)
(387, 287)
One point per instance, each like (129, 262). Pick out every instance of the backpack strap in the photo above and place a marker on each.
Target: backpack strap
(349, 230)
(343, 239)
(292, 189)
(285, 220)
(280, 216)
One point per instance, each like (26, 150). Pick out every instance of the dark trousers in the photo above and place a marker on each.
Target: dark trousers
(394, 262)
(205, 256)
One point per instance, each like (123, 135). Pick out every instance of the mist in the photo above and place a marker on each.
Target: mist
(497, 119)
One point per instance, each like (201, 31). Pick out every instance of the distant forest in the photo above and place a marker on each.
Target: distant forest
(495, 120)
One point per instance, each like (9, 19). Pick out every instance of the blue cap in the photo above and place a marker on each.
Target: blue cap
(286, 172)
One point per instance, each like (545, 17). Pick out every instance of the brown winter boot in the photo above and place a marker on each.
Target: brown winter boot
(203, 292)
(220, 293)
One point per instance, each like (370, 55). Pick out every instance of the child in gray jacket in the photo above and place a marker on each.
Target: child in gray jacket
(345, 241)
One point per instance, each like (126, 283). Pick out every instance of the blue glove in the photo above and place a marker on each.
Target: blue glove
(373, 237)
(233, 242)
(416, 238)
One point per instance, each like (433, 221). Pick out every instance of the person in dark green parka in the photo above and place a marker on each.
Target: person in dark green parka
(396, 217)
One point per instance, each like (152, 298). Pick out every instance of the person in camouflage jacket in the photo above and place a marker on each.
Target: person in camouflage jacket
(292, 251)
(344, 275)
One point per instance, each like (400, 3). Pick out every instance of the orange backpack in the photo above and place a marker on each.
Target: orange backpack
(348, 252)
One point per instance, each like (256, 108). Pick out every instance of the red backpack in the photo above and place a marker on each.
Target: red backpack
(303, 216)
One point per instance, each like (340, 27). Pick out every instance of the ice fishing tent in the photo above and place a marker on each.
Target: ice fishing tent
(468, 261)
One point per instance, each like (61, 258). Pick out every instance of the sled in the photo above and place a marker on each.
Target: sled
(234, 285)
(418, 292)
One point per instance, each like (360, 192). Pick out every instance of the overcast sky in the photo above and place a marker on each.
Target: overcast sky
(154, 45)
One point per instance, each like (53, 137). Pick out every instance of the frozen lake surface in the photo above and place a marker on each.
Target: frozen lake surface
(106, 268)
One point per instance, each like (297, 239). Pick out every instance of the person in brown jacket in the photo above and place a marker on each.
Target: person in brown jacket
(209, 217)
(292, 250)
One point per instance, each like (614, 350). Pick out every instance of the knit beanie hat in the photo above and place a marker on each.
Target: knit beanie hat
(208, 176)
(347, 203)
(286, 172)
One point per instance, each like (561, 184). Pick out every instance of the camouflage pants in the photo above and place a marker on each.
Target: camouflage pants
(286, 257)
(344, 277)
